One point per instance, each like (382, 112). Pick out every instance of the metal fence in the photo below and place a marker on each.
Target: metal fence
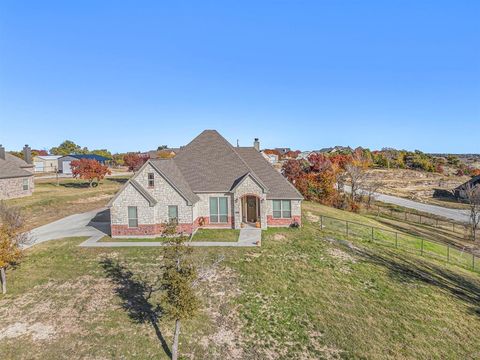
(397, 240)
(457, 228)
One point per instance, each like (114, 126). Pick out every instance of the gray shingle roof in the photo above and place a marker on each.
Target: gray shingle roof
(278, 186)
(13, 167)
(209, 163)
(173, 175)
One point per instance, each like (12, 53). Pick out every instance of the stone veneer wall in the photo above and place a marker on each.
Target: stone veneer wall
(249, 187)
(13, 188)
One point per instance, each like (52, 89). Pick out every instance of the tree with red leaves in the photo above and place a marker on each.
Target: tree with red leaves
(89, 169)
(135, 161)
(292, 170)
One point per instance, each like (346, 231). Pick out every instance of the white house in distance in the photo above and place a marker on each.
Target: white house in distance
(209, 184)
(46, 163)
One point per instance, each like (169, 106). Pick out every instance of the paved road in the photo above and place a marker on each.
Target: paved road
(453, 214)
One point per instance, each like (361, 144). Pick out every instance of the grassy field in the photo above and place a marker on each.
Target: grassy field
(228, 235)
(304, 294)
(50, 202)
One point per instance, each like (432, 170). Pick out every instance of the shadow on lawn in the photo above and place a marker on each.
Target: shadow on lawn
(403, 268)
(135, 295)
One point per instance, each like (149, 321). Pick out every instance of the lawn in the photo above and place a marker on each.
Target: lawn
(50, 202)
(226, 235)
(304, 294)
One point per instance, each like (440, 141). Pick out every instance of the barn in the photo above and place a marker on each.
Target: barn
(64, 162)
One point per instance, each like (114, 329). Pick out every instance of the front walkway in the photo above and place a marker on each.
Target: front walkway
(96, 224)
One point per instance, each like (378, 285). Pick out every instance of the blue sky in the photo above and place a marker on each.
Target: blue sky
(128, 75)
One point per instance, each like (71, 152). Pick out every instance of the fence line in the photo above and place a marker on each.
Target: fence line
(422, 219)
(434, 249)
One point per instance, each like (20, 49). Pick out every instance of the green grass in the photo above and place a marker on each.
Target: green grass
(227, 235)
(305, 294)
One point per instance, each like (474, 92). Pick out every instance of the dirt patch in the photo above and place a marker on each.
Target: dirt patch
(279, 237)
(312, 217)
(37, 331)
(219, 290)
(54, 309)
(341, 255)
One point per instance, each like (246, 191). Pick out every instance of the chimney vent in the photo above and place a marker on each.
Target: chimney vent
(27, 154)
(2, 152)
(256, 144)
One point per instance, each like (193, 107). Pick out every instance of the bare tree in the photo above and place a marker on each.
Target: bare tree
(472, 196)
(369, 189)
(12, 239)
(356, 174)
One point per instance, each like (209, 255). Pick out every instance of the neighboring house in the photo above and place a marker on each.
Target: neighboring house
(304, 155)
(46, 163)
(64, 161)
(16, 175)
(208, 184)
(164, 153)
(271, 158)
(282, 151)
(459, 192)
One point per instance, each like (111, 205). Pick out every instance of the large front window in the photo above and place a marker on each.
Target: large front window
(282, 209)
(218, 210)
(26, 185)
(132, 217)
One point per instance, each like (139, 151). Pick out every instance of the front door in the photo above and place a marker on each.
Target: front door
(251, 209)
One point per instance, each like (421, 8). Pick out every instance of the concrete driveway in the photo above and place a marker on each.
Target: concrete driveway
(94, 224)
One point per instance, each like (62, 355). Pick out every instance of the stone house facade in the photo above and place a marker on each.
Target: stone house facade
(208, 184)
(16, 175)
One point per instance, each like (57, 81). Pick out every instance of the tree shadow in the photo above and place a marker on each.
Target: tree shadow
(75, 185)
(135, 295)
(119, 180)
(405, 269)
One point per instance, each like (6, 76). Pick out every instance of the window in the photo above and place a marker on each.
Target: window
(282, 209)
(26, 185)
(151, 179)
(218, 210)
(173, 214)
(132, 217)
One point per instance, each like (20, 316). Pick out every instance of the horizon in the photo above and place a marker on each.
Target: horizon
(307, 75)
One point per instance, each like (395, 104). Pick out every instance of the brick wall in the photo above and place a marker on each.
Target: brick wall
(13, 188)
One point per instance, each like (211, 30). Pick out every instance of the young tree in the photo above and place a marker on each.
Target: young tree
(472, 195)
(134, 161)
(89, 169)
(370, 188)
(178, 282)
(12, 238)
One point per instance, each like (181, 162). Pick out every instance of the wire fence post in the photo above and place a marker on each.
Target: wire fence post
(421, 250)
(396, 240)
(448, 252)
(406, 215)
(321, 222)
(373, 235)
(420, 218)
(346, 225)
(473, 261)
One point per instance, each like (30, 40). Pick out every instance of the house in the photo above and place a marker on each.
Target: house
(271, 158)
(208, 184)
(282, 151)
(459, 192)
(163, 153)
(64, 161)
(46, 163)
(16, 175)
(304, 155)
